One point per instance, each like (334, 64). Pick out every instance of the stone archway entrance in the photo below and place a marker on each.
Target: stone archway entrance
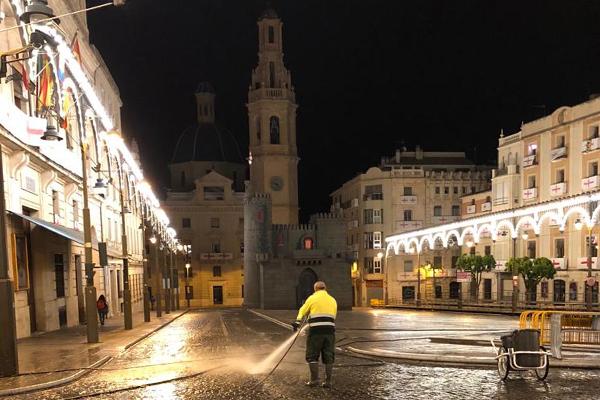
(306, 281)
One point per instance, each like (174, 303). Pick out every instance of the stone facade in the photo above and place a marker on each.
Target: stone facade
(411, 190)
(284, 261)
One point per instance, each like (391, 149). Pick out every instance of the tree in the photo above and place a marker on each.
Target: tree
(476, 265)
(532, 272)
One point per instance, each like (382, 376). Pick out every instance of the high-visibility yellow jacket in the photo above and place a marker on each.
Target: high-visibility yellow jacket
(321, 309)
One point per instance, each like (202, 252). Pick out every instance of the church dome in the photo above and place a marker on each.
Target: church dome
(205, 140)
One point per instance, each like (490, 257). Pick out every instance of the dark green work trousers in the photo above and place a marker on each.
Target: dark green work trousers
(320, 344)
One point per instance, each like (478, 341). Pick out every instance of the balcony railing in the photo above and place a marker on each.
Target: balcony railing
(529, 194)
(529, 160)
(559, 263)
(558, 153)
(590, 145)
(444, 219)
(471, 209)
(590, 183)
(216, 256)
(487, 206)
(271, 93)
(411, 200)
(583, 264)
(558, 189)
(408, 225)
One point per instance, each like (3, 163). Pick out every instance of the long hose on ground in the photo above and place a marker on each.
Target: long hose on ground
(281, 359)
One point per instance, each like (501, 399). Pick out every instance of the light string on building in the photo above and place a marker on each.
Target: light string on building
(531, 218)
(116, 144)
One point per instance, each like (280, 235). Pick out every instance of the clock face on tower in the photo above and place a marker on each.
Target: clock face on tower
(276, 183)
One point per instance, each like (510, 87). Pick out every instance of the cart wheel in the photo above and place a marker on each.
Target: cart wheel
(503, 364)
(543, 373)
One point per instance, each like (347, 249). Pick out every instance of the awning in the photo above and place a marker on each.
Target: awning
(71, 234)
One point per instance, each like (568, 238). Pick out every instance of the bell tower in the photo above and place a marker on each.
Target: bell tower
(272, 122)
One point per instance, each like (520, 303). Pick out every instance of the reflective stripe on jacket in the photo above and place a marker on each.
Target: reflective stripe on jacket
(321, 309)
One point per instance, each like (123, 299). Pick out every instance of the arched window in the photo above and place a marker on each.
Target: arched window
(573, 291)
(271, 74)
(274, 130)
(308, 243)
(258, 134)
(271, 34)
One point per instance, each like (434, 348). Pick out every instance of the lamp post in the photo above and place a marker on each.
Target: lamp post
(157, 275)
(127, 314)
(145, 256)
(8, 340)
(187, 283)
(166, 280)
(418, 278)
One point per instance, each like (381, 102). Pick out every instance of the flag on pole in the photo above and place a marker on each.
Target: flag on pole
(24, 76)
(75, 48)
(45, 85)
(67, 103)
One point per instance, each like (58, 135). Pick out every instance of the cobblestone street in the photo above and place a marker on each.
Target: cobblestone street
(211, 355)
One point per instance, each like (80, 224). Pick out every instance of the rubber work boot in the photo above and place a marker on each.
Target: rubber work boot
(328, 373)
(314, 374)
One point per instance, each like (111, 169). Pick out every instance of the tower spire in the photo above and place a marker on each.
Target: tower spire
(272, 121)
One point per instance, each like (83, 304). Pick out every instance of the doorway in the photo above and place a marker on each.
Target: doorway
(559, 291)
(408, 293)
(487, 289)
(305, 287)
(217, 294)
(454, 290)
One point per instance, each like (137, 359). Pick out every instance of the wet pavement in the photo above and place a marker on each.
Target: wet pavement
(213, 354)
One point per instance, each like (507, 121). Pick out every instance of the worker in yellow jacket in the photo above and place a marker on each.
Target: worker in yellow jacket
(321, 310)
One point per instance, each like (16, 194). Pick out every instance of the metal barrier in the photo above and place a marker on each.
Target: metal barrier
(377, 303)
(575, 327)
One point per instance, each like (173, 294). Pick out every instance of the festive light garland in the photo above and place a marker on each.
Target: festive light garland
(83, 83)
(527, 218)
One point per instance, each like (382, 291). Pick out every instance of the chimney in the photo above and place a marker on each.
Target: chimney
(418, 153)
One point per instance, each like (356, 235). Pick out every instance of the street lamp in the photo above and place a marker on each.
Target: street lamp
(187, 283)
(37, 10)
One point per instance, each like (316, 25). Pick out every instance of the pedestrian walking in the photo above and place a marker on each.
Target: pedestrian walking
(102, 306)
(320, 309)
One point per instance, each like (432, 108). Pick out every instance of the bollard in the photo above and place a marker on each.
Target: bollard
(555, 336)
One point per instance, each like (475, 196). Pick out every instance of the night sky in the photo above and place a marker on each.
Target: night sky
(368, 74)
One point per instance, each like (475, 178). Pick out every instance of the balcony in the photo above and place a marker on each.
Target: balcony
(558, 189)
(487, 206)
(216, 256)
(530, 194)
(590, 183)
(471, 209)
(373, 196)
(558, 153)
(582, 263)
(529, 161)
(500, 266)
(590, 145)
(444, 219)
(559, 263)
(408, 225)
(501, 201)
(271, 93)
(410, 200)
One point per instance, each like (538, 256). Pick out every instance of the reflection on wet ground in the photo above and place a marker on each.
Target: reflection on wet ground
(218, 349)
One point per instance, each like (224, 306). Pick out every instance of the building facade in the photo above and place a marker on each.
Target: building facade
(205, 203)
(49, 95)
(542, 203)
(408, 191)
